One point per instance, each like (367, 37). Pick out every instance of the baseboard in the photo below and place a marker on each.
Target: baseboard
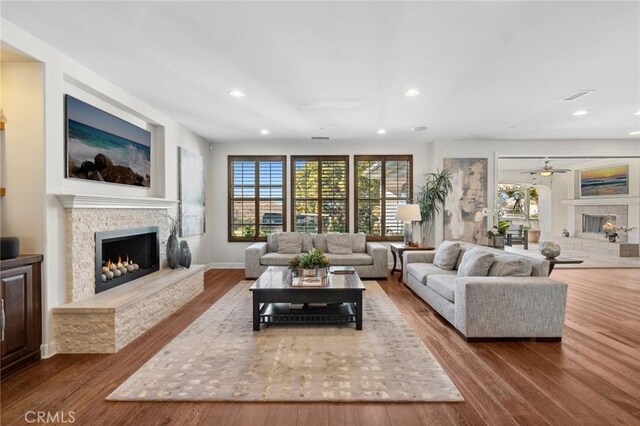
(225, 265)
(47, 350)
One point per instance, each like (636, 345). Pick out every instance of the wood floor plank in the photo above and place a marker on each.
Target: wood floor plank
(589, 378)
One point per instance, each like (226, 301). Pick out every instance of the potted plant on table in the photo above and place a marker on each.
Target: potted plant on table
(311, 264)
(496, 234)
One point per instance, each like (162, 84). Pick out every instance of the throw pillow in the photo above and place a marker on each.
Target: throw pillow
(307, 242)
(290, 243)
(339, 243)
(272, 242)
(446, 255)
(320, 242)
(505, 265)
(476, 262)
(359, 242)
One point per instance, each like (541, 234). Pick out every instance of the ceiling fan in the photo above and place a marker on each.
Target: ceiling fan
(546, 170)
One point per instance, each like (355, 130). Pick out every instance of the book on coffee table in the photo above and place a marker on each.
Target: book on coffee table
(308, 282)
(342, 270)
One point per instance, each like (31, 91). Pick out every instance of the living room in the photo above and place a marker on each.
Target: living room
(237, 123)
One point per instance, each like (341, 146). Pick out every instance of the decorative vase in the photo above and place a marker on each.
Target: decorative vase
(612, 238)
(565, 233)
(307, 273)
(549, 249)
(185, 254)
(497, 241)
(534, 235)
(173, 252)
(9, 247)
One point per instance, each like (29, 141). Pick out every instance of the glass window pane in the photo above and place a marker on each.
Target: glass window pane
(271, 217)
(271, 173)
(392, 226)
(369, 179)
(334, 179)
(306, 179)
(306, 216)
(334, 216)
(397, 179)
(369, 214)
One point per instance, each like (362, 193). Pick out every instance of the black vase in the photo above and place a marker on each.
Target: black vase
(9, 247)
(173, 252)
(185, 254)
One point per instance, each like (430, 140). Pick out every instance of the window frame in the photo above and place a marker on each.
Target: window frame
(320, 159)
(383, 185)
(256, 198)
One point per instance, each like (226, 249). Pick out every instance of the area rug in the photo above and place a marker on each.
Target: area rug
(220, 358)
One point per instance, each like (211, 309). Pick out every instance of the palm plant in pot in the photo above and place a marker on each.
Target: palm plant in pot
(431, 198)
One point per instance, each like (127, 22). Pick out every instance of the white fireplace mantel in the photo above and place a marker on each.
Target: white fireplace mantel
(84, 201)
(610, 201)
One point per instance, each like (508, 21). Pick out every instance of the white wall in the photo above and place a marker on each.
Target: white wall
(64, 75)
(23, 165)
(231, 254)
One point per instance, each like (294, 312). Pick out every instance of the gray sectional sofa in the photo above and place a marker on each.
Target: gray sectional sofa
(369, 259)
(513, 299)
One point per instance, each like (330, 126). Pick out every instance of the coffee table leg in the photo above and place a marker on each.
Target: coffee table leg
(256, 312)
(359, 311)
(394, 262)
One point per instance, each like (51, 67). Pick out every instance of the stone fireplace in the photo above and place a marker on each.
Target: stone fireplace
(126, 255)
(594, 223)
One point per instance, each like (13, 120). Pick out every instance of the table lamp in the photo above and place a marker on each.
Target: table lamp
(408, 213)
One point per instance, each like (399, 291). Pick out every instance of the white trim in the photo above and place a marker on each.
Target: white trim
(84, 201)
(613, 201)
(47, 350)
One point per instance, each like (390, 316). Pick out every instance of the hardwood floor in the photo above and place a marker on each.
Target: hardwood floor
(592, 377)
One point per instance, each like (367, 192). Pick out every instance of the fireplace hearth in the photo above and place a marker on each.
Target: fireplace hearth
(125, 255)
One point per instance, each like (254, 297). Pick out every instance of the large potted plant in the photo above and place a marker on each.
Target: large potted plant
(431, 198)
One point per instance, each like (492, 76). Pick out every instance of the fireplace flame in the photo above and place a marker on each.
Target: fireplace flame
(119, 265)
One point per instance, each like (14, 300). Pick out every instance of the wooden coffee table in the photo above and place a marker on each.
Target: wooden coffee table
(273, 294)
(398, 248)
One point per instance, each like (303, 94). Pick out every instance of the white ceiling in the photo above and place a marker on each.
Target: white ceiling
(482, 67)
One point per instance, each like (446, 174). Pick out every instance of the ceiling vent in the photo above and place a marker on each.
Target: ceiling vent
(319, 138)
(577, 95)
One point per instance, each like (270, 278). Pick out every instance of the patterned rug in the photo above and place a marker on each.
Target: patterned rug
(220, 358)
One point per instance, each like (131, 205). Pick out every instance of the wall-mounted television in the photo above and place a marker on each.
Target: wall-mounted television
(104, 148)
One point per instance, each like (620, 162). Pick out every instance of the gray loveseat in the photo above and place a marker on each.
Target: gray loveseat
(530, 305)
(369, 259)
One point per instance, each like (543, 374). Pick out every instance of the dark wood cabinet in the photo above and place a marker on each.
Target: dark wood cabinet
(21, 312)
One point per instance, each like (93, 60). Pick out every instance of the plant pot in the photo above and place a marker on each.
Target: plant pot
(173, 252)
(534, 235)
(497, 241)
(307, 273)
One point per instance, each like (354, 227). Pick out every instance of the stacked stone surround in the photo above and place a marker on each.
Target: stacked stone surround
(620, 212)
(107, 322)
(81, 227)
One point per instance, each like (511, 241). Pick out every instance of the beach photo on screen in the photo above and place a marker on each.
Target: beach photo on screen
(104, 148)
(604, 181)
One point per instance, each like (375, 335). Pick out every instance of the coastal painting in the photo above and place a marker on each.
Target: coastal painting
(192, 206)
(605, 181)
(469, 195)
(105, 148)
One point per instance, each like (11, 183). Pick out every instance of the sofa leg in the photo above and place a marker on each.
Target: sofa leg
(511, 339)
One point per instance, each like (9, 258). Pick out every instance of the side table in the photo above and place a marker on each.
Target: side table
(398, 248)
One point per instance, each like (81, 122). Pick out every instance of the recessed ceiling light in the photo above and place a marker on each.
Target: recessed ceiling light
(635, 133)
(264, 132)
(418, 129)
(381, 131)
(636, 113)
(580, 112)
(237, 93)
(412, 92)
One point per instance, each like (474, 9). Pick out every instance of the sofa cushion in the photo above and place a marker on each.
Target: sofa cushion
(272, 242)
(444, 285)
(359, 242)
(276, 259)
(476, 262)
(289, 243)
(446, 255)
(508, 265)
(339, 243)
(273, 245)
(420, 271)
(320, 242)
(351, 259)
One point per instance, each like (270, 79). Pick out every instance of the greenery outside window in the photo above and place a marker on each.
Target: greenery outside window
(257, 196)
(320, 194)
(382, 183)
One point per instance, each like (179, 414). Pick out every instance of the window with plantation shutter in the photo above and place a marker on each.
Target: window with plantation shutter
(320, 194)
(382, 183)
(257, 196)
